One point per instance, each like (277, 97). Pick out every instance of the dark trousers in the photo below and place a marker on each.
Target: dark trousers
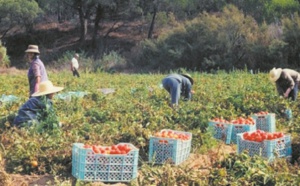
(294, 93)
(75, 72)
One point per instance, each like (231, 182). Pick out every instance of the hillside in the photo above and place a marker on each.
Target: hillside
(55, 39)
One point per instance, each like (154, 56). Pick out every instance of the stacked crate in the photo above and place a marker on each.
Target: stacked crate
(270, 149)
(227, 130)
(221, 130)
(265, 121)
(168, 149)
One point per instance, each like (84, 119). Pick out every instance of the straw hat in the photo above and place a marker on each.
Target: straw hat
(46, 87)
(275, 74)
(33, 49)
(189, 77)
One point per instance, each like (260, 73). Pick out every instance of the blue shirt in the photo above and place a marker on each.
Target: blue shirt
(35, 110)
(177, 85)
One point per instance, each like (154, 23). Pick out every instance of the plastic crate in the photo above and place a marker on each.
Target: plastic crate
(280, 147)
(168, 150)
(265, 122)
(221, 131)
(239, 128)
(88, 166)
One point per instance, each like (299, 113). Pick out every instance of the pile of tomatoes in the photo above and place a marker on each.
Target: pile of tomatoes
(114, 149)
(260, 135)
(262, 113)
(172, 134)
(239, 120)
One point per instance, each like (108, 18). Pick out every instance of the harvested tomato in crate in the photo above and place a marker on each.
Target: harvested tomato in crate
(169, 146)
(116, 163)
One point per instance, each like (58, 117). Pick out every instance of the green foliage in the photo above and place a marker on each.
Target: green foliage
(211, 42)
(139, 108)
(4, 59)
(109, 62)
(291, 36)
(18, 12)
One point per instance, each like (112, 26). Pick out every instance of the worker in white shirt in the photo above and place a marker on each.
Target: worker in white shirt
(75, 65)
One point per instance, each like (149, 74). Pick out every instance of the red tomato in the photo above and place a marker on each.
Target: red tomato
(87, 146)
(95, 149)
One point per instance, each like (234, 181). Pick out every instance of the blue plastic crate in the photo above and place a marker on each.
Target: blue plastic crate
(265, 122)
(88, 166)
(169, 150)
(240, 128)
(221, 131)
(270, 149)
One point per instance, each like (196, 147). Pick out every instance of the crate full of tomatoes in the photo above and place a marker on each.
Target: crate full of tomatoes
(266, 144)
(227, 130)
(221, 129)
(116, 163)
(169, 146)
(240, 125)
(265, 121)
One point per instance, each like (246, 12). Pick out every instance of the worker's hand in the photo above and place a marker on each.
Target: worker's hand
(192, 91)
(286, 94)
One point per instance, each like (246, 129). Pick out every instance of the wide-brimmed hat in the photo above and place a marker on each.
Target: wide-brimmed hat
(189, 77)
(46, 87)
(33, 49)
(275, 74)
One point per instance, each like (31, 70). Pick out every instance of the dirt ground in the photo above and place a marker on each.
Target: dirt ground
(202, 162)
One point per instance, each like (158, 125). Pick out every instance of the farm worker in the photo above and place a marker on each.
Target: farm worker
(286, 81)
(37, 72)
(39, 107)
(75, 65)
(178, 85)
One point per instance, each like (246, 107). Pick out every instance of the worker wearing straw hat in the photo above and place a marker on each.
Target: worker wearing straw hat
(286, 81)
(39, 107)
(37, 72)
(178, 85)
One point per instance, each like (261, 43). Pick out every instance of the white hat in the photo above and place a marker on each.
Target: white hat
(33, 49)
(46, 87)
(275, 74)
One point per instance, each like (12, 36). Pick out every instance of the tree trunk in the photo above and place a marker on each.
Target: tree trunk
(99, 14)
(82, 20)
(152, 22)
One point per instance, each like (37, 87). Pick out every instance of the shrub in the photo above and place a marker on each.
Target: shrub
(109, 62)
(4, 60)
(227, 40)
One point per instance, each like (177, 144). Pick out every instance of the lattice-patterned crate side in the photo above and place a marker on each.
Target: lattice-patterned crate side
(168, 150)
(240, 128)
(280, 147)
(88, 166)
(270, 149)
(253, 148)
(265, 122)
(221, 131)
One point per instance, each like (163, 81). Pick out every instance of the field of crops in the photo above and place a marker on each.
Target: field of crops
(136, 110)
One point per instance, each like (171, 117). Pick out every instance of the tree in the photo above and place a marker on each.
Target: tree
(267, 10)
(61, 9)
(17, 13)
